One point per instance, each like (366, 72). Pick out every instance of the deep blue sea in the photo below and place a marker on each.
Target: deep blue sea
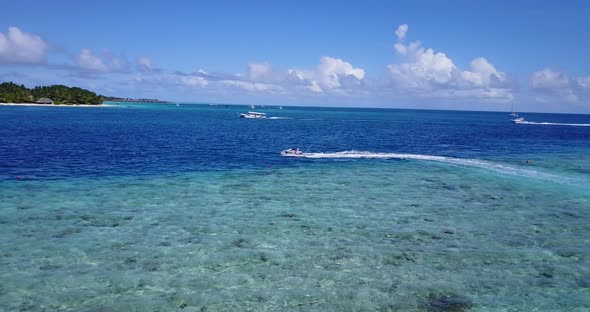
(153, 207)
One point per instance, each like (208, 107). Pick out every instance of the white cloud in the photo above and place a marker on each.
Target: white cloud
(481, 72)
(145, 64)
(254, 86)
(424, 69)
(427, 73)
(159, 79)
(302, 80)
(259, 78)
(331, 75)
(17, 46)
(331, 71)
(583, 83)
(401, 31)
(297, 75)
(553, 86)
(259, 71)
(549, 79)
(403, 49)
(193, 81)
(315, 87)
(89, 62)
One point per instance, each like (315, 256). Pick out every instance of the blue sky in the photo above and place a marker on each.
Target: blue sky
(448, 55)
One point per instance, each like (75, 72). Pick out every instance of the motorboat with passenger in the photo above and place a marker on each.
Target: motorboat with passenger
(518, 120)
(253, 115)
(292, 152)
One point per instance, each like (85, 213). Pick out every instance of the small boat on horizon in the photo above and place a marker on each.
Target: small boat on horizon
(253, 115)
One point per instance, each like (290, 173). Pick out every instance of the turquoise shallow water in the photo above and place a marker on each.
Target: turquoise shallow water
(155, 208)
(413, 236)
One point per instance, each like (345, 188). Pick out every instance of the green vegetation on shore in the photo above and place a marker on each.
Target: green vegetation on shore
(13, 93)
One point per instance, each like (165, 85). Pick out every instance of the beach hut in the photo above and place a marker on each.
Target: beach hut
(44, 101)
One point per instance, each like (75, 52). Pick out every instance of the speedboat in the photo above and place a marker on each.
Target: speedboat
(292, 152)
(518, 120)
(253, 115)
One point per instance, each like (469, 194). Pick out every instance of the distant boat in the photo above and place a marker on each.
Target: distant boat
(177, 105)
(280, 107)
(292, 152)
(513, 114)
(253, 115)
(518, 120)
(252, 106)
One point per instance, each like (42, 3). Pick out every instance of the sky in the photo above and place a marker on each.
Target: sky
(468, 55)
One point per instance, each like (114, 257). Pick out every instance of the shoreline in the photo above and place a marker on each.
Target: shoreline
(56, 105)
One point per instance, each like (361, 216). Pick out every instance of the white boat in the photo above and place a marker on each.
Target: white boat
(518, 120)
(515, 118)
(292, 152)
(254, 115)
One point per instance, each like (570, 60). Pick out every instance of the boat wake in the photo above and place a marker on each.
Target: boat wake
(279, 118)
(487, 165)
(552, 124)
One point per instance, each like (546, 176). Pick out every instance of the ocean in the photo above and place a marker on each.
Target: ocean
(151, 207)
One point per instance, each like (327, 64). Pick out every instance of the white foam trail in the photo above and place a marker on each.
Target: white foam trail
(496, 167)
(279, 118)
(552, 124)
(361, 154)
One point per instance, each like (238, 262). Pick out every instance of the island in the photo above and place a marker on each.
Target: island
(12, 93)
(56, 94)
